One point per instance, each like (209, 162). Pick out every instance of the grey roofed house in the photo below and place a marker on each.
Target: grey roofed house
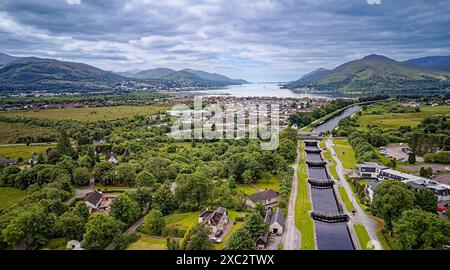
(94, 198)
(263, 195)
(8, 161)
(278, 217)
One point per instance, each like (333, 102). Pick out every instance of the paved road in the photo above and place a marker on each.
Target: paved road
(23, 144)
(361, 217)
(291, 236)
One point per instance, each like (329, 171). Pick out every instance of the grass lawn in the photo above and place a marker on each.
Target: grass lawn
(92, 114)
(111, 188)
(9, 196)
(14, 130)
(26, 152)
(185, 220)
(395, 120)
(384, 243)
(363, 237)
(55, 244)
(146, 242)
(345, 199)
(272, 183)
(327, 155)
(303, 220)
(246, 189)
(345, 153)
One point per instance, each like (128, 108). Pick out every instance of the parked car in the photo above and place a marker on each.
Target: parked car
(218, 234)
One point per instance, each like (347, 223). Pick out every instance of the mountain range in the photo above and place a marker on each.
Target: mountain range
(187, 75)
(32, 73)
(375, 73)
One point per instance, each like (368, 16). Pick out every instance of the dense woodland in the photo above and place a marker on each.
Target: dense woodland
(205, 174)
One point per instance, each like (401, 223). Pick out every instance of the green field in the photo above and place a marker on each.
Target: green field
(271, 183)
(303, 220)
(246, 189)
(345, 153)
(9, 196)
(14, 130)
(363, 237)
(345, 199)
(186, 220)
(55, 244)
(395, 120)
(91, 114)
(16, 151)
(148, 243)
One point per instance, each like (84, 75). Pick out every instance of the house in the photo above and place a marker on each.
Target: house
(262, 241)
(370, 188)
(217, 220)
(99, 202)
(268, 198)
(112, 158)
(93, 200)
(99, 142)
(33, 161)
(8, 161)
(74, 245)
(442, 191)
(276, 222)
(369, 170)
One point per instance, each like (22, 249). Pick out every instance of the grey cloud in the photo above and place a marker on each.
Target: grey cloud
(263, 39)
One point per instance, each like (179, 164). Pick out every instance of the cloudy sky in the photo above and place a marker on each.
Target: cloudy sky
(258, 40)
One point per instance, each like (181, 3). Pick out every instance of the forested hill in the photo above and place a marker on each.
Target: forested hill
(379, 74)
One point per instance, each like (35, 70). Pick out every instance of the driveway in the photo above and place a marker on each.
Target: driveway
(360, 217)
(291, 237)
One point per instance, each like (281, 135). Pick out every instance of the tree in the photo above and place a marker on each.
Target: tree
(172, 244)
(64, 147)
(198, 239)
(412, 158)
(154, 222)
(255, 225)
(35, 224)
(390, 199)
(146, 179)
(417, 229)
(232, 181)
(288, 150)
(143, 196)
(426, 200)
(103, 173)
(260, 209)
(193, 191)
(241, 239)
(71, 226)
(164, 200)
(125, 174)
(80, 209)
(123, 240)
(125, 209)
(81, 176)
(100, 231)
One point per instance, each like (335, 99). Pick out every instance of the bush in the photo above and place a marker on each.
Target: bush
(122, 241)
(174, 230)
(440, 157)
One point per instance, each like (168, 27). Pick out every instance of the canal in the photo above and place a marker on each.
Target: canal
(329, 236)
(331, 123)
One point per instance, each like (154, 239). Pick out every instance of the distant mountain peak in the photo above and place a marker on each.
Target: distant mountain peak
(376, 57)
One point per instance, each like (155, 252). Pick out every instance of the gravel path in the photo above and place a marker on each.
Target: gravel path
(291, 237)
(360, 217)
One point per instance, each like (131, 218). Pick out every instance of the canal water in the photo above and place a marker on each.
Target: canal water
(331, 123)
(330, 236)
